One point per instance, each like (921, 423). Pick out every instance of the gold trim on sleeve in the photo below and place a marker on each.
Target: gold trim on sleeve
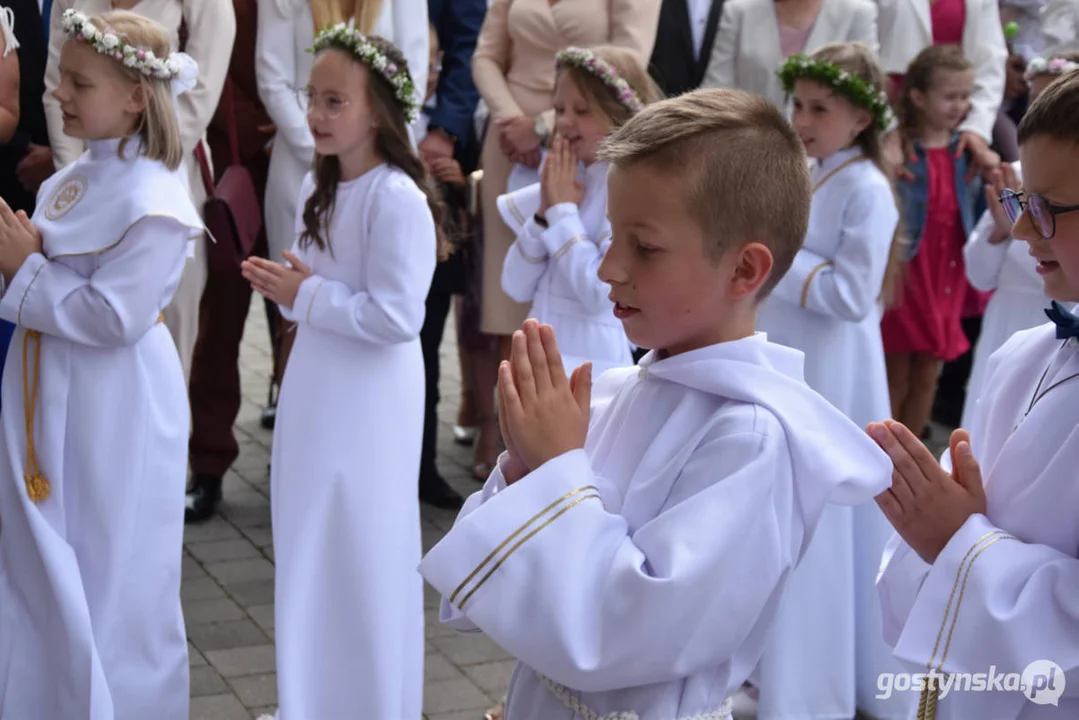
(511, 204)
(311, 304)
(530, 259)
(522, 541)
(809, 278)
(565, 248)
(514, 534)
(927, 702)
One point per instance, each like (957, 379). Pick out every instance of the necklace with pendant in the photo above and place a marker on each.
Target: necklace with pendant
(1039, 393)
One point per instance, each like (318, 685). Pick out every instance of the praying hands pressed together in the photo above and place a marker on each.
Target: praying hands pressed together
(927, 504)
(543, 413)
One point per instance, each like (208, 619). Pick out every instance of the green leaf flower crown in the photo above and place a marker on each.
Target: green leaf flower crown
(108, 42)
(347, 37)
(852, 87)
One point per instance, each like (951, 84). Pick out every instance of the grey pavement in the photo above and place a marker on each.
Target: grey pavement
(228, 572)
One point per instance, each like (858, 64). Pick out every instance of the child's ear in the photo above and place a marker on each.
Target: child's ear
(752, 266)
(918, 98)
(139, 99)
(865, 119)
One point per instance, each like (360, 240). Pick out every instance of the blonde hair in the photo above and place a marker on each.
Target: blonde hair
(600, 97)
(325, 13)
(743, 168)
(858, 60)
(156, 126)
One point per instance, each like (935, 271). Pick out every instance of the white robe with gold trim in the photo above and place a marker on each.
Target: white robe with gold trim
(90, 620)
(1018, 301)
(826, 651)
(1004, 592)
(643, 573)
(346, 460)
(554, 268)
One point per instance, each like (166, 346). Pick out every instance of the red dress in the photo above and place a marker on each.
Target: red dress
(927, 317)
(947, 18)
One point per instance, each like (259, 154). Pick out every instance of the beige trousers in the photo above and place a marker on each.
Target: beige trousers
(182, 314)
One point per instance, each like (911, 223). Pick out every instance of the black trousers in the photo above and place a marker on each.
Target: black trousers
(952, 388)
(439, 301)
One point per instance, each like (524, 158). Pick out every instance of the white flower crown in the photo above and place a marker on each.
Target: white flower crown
(594, 65)
(348, 37)
(109, 43)
(1053, 66)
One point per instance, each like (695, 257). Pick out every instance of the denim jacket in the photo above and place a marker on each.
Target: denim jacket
(914, 194)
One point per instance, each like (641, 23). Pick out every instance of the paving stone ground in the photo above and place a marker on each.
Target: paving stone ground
(228, 573)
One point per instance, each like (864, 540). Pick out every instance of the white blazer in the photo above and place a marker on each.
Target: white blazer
(906, 30)
(747, 54)
(282, 67)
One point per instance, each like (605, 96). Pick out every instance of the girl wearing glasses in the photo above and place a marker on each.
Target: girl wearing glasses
(346, 447)
(939, 205)
(996, 263)
(282, 66)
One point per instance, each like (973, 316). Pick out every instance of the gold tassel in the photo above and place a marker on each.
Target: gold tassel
(37, 485)
(927, 703)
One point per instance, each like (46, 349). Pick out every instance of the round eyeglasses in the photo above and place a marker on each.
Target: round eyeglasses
(1042, 212)
(329, 105)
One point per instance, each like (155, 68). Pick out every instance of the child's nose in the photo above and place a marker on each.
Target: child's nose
(610, 270)
(1024, 229)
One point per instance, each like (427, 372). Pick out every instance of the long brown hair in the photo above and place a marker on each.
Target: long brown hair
(391, 142)
(330, 12)
(919, 78)
(858, 60)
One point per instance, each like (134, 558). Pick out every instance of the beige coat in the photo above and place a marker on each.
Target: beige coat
(514, 70)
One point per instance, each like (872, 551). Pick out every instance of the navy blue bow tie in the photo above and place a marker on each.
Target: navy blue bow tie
(1067, 323)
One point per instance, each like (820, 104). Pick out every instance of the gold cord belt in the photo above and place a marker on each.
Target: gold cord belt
(37, 485)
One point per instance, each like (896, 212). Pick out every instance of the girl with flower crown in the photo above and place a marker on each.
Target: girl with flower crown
(95, 435)
(561, 223)
(828, 305)
(346, 446)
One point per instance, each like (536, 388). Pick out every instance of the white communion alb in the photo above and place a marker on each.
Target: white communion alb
(91, 625)
(640, 577)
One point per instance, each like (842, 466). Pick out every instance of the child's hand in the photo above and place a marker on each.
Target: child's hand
(447, 170)
(895, 154)
(514, 468)
(274, 281)
(559, 183)
(983, 160)
(545, 415)
(926, 505)
(998, 181)
(19, 239)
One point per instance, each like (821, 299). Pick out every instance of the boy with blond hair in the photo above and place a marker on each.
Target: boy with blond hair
(631, 546)
(982, 578)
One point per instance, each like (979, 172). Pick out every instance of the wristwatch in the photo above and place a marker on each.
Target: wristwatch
(540, 127)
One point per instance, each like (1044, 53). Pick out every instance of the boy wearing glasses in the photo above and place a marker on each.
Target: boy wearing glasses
(983, 577)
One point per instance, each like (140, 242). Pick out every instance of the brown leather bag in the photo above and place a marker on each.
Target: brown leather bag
(232, 212)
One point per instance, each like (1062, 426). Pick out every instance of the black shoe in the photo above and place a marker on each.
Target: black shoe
(434, 490)
(269, 415)
(202, 499)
